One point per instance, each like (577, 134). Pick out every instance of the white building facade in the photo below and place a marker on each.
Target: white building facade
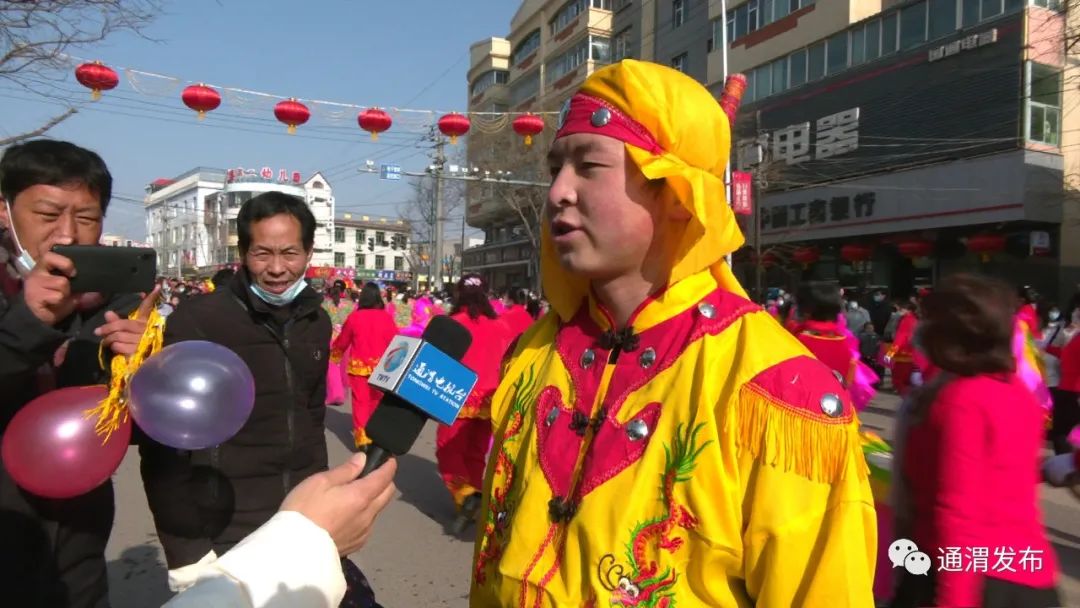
(191, 219)
(377, 249)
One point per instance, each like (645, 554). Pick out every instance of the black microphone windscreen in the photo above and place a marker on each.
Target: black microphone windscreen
(395, 424)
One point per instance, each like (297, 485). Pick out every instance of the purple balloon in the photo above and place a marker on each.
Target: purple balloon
(192, 395)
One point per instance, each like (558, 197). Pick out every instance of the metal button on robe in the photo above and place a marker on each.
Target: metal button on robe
(707, 310)
(637, 430)
(647, 358)
(601, 117)
(831, 405)
(587, 358)
(552, 415)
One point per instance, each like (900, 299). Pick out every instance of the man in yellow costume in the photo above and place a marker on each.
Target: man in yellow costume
(659, 440)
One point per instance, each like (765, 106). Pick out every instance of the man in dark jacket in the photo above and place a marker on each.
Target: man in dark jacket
(52, 552)
(206, 501)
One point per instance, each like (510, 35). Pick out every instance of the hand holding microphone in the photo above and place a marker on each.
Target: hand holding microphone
(421, 378)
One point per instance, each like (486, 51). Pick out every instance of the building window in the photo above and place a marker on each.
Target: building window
(858, 46)
(380, 238)
(360, 260)
(756, 14)
(991, 8)
(592, 47)
(816, 62)
(797, 67)
(888, 34)
(779, 76)
(678, 12)
(621, 4)
(360, 236)
(487, 80)
(526, 47)
(339, 259)
(942, 21)
(339, 235)
(380, 262)
(762, 81)
(399, 263)
(1050, 4)
(913, 26)
(873, 40)
(1044, 105)
(525, 88)
(621, 44)
(679, 62)
(837, 55)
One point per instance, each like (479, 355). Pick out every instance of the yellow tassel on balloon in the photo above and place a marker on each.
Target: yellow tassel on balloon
(114, 409)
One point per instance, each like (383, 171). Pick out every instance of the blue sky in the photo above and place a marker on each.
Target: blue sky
(406, 53)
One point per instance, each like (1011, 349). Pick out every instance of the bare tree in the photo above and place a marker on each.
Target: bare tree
(419, 212)
(505, 152)
(37, 35)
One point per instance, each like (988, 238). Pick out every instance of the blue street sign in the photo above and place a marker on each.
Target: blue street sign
(437, 384)
(392, 172)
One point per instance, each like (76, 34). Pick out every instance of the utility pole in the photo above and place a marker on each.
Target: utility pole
(757, 183)
(436, 257)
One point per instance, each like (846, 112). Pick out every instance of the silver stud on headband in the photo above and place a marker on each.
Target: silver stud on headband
(601, 117)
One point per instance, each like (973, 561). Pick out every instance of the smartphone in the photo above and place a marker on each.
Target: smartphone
(111, 270)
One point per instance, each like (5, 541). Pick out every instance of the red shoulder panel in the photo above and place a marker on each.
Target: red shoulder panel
(807, 387)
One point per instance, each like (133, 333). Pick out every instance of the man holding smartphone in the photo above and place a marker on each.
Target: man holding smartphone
(52, 552)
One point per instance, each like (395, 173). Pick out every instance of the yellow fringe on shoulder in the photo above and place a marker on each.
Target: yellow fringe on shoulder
(792, 440)
(113, 410)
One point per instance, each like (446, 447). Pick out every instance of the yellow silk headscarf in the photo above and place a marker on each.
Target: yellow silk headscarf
(693, 131)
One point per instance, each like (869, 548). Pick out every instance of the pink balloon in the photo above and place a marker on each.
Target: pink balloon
(50, 447)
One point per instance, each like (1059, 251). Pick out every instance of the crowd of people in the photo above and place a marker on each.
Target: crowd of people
(645, 436)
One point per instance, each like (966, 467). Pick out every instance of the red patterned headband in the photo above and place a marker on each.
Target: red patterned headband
(587, 114)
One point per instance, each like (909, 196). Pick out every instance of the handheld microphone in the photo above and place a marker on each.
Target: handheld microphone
(421, 378)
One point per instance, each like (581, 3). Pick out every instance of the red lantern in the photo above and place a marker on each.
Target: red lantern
(806, 256)
(769, 260)
(986, 244)
(915, 248)
(201, 98)
(292, 113)
(454, 125)
(528, 125)
(856, 253)
(97, 77)
(374, 121)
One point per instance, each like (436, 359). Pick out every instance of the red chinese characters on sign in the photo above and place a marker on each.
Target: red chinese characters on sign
(283, 175)
(296, 177)
(742, 202)
(267, 173)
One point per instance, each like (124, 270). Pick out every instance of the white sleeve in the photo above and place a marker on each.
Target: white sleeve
(289, 561)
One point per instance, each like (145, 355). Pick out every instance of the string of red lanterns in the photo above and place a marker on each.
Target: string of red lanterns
(454, 125)
(292, 113)
(374, 121)
(528, 126)
(97, 77)
(202, 98)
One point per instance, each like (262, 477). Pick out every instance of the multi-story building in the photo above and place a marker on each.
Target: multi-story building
(179, 225)
(552, 47)
(899, 141)
(377, 249)
(115, 240)
(191, 219)
(676, 33)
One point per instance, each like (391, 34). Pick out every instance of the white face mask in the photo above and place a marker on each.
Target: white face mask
(1054, 315)
(284, 298)
(23, 261)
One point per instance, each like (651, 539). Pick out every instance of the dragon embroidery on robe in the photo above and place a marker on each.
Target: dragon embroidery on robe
(643, 584)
